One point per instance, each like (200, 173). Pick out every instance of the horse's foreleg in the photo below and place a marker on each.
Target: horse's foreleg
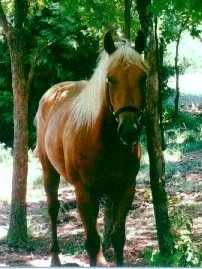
(88, 206)
(121, 206)
(51, 183)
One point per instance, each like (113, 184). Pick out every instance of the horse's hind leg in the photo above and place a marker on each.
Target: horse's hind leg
(51, 184)
(88, 206)
(121, 206)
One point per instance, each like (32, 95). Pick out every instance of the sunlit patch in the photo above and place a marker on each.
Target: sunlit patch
(66, 260)
(172, 157)
(6, 182)
(3, 232)
(181, 138)
(39, 263)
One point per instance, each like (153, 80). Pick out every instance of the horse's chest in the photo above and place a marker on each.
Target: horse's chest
(100, 166)
(98, 160)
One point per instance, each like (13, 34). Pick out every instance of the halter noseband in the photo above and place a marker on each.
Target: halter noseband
(122, 109)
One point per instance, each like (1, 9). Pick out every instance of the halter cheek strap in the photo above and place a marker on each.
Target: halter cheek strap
(122, 109)
(109, 100)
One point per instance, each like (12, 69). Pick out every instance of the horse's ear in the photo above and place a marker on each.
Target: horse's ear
(140, 42)
(109, 43)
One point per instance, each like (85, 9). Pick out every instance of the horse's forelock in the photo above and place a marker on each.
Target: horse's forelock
(125, 53)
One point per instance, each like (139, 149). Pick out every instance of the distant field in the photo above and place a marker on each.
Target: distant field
(189, 84)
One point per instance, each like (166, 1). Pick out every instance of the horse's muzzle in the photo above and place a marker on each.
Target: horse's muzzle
(128, 130)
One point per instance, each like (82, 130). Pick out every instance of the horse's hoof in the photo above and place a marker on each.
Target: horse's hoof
(55, 261)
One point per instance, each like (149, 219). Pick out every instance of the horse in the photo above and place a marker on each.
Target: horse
(88, 133)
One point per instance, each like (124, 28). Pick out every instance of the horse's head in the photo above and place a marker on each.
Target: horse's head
(126, 77)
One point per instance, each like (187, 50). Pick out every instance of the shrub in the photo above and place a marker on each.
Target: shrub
(186, 253)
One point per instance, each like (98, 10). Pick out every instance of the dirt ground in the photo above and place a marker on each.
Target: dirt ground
(185, 193)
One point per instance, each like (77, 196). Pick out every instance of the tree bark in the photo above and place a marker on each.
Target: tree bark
(16, 41)
(127, 18)
(159, 63)
(157, 163)
(18, 223)
(156, 158)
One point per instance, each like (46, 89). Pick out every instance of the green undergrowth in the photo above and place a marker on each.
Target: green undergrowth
(186, 253)
(183, 137)
(183, 134)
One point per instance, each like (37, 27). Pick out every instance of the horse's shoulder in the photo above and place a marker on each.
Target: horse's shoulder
(60, 93)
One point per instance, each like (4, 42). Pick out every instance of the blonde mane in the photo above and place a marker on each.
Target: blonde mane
(86, 107)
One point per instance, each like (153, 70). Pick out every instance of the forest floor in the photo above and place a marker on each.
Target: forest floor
(184, 189)
(185, 193)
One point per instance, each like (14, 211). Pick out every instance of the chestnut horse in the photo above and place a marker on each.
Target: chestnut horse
(88, 132)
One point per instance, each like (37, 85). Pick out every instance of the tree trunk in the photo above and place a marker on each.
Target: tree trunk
(157, 164)
(160, 67)
(177, 79)
(127, 18)
(21, 86)
(159, 61)
(18, 223)
(156, 158)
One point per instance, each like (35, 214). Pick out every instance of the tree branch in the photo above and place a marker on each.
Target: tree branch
(73, 30)
(4, 22)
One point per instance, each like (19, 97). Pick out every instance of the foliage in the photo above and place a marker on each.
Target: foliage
(71, 57)
(103, 15)
(176, 16)
(186, 253)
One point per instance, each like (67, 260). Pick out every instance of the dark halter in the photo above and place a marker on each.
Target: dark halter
(122, 109)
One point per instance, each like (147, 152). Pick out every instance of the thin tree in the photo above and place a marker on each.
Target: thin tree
(157, 163)
(15, 35)
(127, 18)
(177, 73)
